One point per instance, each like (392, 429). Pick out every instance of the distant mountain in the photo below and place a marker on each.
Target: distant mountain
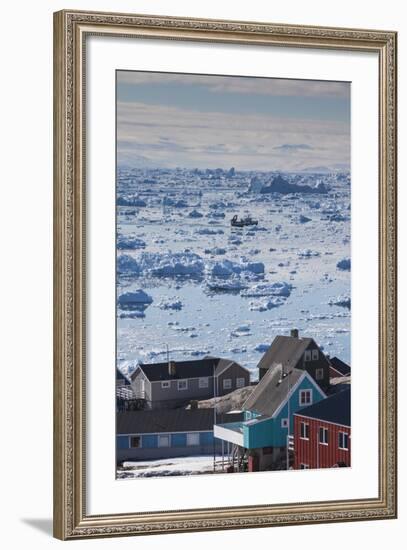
(326, 169)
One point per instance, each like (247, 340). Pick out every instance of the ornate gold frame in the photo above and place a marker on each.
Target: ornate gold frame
(70, 31)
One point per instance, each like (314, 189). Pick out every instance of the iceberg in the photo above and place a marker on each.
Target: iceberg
(344, 265)
(127, 265)
(342, 301)
(129, 242)
(308, 253)
(137, 297)
(195, 214)
(268, 289)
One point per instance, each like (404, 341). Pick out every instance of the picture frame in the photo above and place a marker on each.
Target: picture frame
(72, 29)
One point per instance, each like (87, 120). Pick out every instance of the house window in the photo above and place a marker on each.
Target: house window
(304, 466)
(343, 441)
(193, 439)
(135, 441)
(203, 382)
(163, 440)
(227, 383)
(284, 422)
(304, 430)
(240, 382)
(182, 384)
(319, 374)
(307, 355)
(165, 384)
(305, 397)
(323, 436)
(315, 355)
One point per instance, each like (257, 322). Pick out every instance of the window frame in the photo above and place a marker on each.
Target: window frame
(325, 438)
(319, 373)
(162, 436)
(224, 386)
(194, 434)
(300, 397)
(203, 382)
(242, 380)
(307, 355)
(304, 425)
(131, 442)
(314, 354)
(182, 381)
(165, 384)
(343, 434)
(284, 422)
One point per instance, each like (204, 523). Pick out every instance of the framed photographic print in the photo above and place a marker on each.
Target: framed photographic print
(225, 274)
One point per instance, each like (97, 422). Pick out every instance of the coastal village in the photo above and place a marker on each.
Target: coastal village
(296, 415)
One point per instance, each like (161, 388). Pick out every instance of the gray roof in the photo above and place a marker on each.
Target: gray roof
(334, 409)
(170, 420)
(285, 350)
(193, 368)
(340, 366)
(272, 390)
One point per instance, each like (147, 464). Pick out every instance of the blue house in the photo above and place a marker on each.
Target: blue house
(262, 435)
(165, 433)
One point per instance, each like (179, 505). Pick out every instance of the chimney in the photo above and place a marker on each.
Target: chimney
(171, 368)
(294, 333)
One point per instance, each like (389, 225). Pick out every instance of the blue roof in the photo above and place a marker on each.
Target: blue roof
(335, 409)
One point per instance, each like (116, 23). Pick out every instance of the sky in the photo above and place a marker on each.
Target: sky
(173, 120)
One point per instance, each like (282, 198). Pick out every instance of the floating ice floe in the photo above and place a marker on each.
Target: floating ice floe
(261, 348)
(195, 214)
(170, 303)
(343, 301)
(215, 215)
(268, 289)
(242, 330)
(129, 242)
(233, 284)
(130, 200)
(307, 253)
(208, 231)
(216, 251)
(180, 203)
(127, 265)
(344, 265)
(132, 314)
(303, 219)
(137, 297)
(264, 305)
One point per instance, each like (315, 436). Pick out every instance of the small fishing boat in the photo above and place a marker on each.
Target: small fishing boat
(248, 220)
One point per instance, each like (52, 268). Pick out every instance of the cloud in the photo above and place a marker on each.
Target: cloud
(172, 136)
(240, 84)
(293, 147)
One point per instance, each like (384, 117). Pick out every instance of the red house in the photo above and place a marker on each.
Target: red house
(322, 433)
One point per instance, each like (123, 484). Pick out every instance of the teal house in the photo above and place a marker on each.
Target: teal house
(262, 435)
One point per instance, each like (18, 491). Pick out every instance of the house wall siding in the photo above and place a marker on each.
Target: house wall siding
(315, 454)
(178, 446)
(311, 366)
(234, 372)
(136, 385)
(193, 391)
